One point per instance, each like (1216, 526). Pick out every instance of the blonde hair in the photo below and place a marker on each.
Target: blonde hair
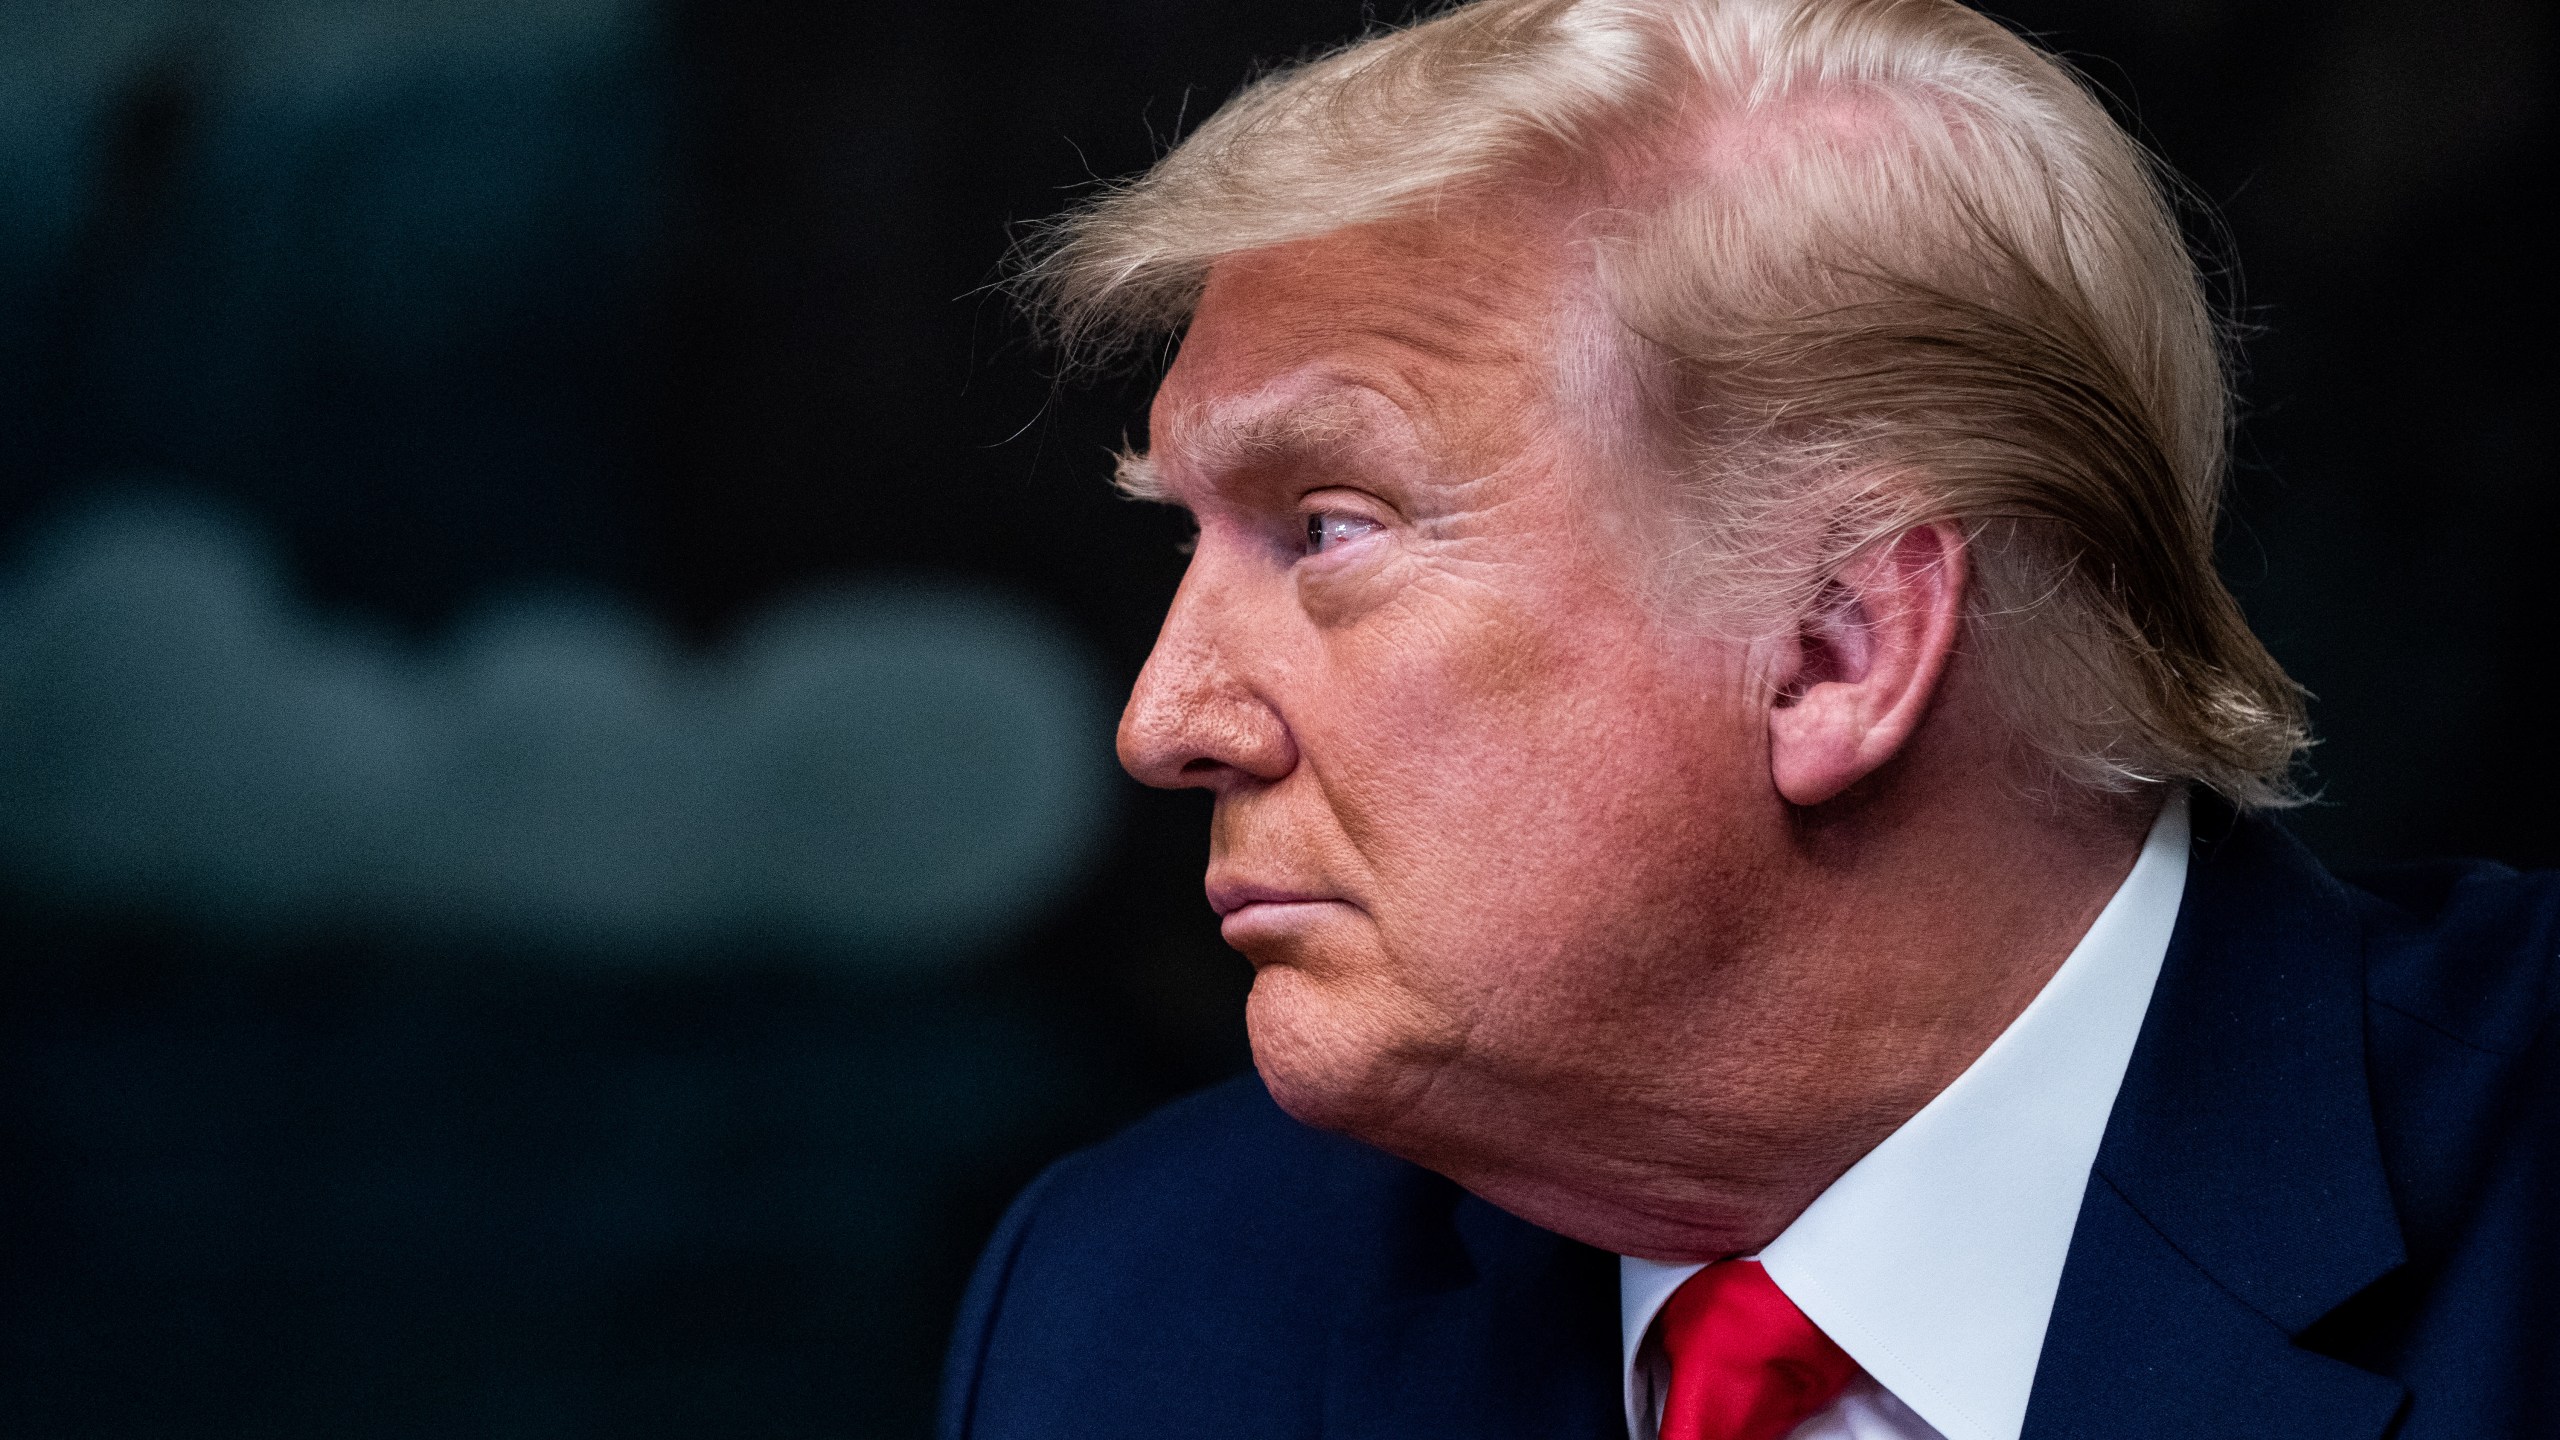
(1880, 263)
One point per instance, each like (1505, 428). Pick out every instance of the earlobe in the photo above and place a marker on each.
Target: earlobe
(1869, 658)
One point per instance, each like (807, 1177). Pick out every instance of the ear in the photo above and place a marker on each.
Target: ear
(1866, 663)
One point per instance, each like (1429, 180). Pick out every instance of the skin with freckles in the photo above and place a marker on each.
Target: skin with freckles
(1642, 933)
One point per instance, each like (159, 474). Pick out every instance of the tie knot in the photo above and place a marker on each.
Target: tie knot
(1745, 1362)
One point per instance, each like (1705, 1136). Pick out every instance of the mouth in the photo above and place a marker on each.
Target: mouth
(1229, 897)
(1251, 913)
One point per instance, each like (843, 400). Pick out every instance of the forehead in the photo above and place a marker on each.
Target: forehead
(1444, 326)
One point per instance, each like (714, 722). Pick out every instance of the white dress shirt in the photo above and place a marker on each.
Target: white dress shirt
(1935, 1259)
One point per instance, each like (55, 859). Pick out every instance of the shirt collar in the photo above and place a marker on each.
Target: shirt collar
(1967, 1210)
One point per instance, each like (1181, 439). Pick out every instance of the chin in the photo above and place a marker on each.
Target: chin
(1337, 1061)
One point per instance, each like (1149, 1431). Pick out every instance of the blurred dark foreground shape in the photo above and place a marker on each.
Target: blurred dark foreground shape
(558, 860)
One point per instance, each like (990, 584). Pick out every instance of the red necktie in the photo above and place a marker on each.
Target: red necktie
(1745, 1363)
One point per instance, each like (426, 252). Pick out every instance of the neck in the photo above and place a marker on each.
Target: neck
(1899, 935)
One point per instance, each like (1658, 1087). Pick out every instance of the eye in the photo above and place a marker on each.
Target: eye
(1327, 529)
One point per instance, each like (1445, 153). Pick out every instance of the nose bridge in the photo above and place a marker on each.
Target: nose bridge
(1183, 662)
(1194, 701)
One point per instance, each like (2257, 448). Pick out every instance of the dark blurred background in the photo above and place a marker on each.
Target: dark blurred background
(558, 860)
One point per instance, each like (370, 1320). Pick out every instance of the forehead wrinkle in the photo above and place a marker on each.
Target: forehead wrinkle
(1282, 420)
(1449, 326)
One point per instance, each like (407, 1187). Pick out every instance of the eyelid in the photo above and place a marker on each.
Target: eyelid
(1343, 500)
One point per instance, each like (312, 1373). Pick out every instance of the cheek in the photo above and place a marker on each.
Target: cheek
(1519, 781)
(1500, 731)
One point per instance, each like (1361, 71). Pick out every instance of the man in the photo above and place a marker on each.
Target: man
(1744, 794)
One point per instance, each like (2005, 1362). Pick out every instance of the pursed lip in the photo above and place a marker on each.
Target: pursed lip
(1254, 916)
(1229, 896)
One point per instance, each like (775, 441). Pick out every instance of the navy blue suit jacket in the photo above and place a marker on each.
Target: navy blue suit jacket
(2325, 1208)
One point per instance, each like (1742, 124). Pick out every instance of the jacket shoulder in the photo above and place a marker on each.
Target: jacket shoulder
(2462, 971)
(1210, 1179)
(2467, 948)
(1186, 1269)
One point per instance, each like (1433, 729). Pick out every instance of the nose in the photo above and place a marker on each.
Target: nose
(1195, 720)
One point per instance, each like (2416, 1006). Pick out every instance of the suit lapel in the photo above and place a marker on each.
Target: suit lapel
(2239, 1195)
(1485, 1327)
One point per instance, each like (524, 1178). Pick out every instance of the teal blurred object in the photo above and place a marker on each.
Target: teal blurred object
(891, 772)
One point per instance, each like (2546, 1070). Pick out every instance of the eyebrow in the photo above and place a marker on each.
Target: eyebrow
(1237, 435)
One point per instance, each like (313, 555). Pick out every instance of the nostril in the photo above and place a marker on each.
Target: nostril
(1201, 766)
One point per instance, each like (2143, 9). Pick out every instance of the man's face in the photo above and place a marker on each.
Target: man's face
(1478, 813)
